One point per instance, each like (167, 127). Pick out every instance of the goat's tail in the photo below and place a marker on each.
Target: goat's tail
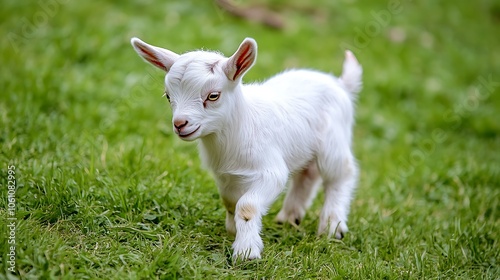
(351, 74)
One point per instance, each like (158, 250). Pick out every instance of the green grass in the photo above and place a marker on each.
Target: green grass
(105, 190)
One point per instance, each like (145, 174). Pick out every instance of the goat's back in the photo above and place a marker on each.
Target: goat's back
(296, 110)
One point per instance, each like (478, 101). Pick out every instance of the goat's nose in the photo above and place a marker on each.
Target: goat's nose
(180, 123)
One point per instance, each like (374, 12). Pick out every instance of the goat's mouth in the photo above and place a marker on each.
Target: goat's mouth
(184, 135)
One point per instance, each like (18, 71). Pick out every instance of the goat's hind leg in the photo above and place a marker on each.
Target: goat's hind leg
(301, 193)
(339, 173)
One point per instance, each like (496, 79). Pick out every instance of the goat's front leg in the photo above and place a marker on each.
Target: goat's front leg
(248, 216)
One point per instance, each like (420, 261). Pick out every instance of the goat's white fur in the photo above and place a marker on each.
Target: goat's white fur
(254, 137)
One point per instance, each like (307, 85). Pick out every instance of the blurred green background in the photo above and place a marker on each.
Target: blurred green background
(106, 190)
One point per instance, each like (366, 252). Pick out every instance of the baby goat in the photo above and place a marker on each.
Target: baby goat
(254, 137)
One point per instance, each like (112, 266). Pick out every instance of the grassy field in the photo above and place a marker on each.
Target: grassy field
(100, 187)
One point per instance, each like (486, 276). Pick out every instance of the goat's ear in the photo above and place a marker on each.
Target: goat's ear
(242, 60)
(159, 57)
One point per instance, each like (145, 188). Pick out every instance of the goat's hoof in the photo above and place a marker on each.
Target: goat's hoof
(247, 255)
(292, 217)
(249, 249)
(339, 235)
(334, 229)
(339, 231)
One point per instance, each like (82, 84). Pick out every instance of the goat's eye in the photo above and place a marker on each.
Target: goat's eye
(213, 96)
(167, 96)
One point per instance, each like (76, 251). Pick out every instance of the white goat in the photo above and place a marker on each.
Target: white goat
(253, 137)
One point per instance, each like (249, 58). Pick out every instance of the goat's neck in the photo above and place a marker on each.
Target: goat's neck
(217, 146)
(232, 126)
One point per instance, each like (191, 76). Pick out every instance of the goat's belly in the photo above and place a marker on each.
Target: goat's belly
(298, 152)
(299, 163)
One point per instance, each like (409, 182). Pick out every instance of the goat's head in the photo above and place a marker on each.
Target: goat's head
(201, 86)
